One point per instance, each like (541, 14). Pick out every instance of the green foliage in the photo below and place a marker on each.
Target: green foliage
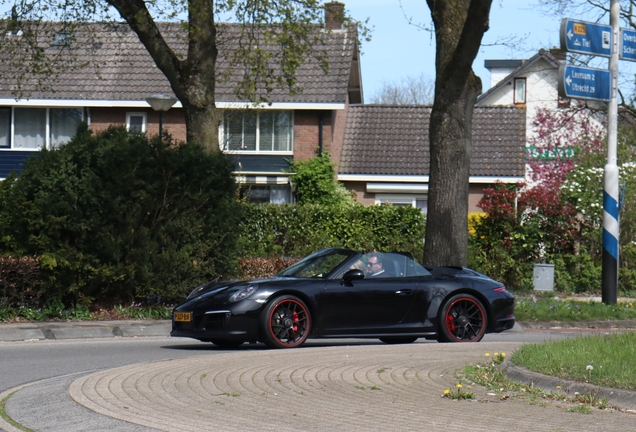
(570, 310)
(315, 182)
(293, 230)
(117, 216)
(561, 226)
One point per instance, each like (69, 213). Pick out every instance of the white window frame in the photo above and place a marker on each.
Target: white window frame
(47, 139)
(400, 199)
(520, 99)
(224, 148)
(144, 122)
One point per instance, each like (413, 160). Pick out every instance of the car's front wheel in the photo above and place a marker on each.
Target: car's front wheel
(462, 319)
(285, 322)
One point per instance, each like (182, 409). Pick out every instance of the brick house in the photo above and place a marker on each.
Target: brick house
(113, 89)
(385, 153)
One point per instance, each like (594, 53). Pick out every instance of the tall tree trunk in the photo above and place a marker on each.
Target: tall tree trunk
(202, 125)
(459, 28)
(192, 79)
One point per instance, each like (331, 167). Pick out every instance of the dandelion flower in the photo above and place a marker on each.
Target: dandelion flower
(503, 354)
(459, 386)
(447, 391)
(469, 387)
(589, 367)
(487, 354)
(496, 354)
(558, 387)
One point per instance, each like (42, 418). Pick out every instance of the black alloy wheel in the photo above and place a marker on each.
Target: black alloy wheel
(285, 323)
(463, 319)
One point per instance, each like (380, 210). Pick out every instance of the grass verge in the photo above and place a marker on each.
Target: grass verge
(570, 310)
(491, 376)
(604, 360)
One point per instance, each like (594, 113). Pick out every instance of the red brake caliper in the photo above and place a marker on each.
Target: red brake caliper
(450, 324)
(296, 320)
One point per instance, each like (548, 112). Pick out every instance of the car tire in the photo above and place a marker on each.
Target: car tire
(393, 340)
(285, 322)
(462, 319)
(222, 343)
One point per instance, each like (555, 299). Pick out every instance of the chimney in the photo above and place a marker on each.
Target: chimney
(558, 54)
(334, 15)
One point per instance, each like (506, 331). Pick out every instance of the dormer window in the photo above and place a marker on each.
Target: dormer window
(520, 91)
(62, 39)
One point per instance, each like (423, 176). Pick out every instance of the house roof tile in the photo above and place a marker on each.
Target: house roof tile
(118, 67)
(393, 140)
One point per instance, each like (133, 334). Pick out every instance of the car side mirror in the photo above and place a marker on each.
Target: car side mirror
(352, 275)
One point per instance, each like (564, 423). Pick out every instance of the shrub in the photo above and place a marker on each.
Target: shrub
(20, 280)
(315, 182)
(297, 230)
(115, 216)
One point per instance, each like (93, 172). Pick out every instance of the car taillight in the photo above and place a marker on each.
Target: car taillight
(501, 290)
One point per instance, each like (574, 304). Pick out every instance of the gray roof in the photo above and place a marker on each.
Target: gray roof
(119, 67)
(393, 140)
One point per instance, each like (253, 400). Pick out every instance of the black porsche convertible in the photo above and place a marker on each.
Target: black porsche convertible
(340, 293)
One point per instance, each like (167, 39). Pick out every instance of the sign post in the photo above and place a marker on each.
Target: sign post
(584, 83)
(609, 273)
(586, 38)
(596, 84)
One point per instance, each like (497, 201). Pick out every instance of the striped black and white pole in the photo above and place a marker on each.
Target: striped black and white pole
(610, 189)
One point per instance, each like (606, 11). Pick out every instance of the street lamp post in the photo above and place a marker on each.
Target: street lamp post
(161, 103)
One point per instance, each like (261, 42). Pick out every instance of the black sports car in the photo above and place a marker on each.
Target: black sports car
(340, 293)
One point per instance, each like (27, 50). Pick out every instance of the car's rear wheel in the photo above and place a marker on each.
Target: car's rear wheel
(462, 319)
(221, 343)
(398, 340)
(285, 322)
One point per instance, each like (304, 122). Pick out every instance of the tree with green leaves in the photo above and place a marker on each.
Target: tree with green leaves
(191, 65)
(459, 28)
(315, 182)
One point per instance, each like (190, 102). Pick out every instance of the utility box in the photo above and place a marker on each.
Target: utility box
(544, 277)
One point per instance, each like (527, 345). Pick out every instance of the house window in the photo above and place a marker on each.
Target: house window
(265, 131)
(405, 200)
(29, 128)
(136, 122)
(5, 127)
(520, 90)
(64, 124)
(275, 194)
(37, 128)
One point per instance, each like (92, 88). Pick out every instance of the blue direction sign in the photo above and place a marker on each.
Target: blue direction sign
(628, 45)
(584, 83)
(586, 38)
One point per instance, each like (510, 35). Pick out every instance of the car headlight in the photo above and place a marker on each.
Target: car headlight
(243, 293)
(195, 292)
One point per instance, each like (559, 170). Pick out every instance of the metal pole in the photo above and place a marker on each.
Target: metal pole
(610, 190)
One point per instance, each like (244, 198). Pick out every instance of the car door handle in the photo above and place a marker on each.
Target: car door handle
(404, 292)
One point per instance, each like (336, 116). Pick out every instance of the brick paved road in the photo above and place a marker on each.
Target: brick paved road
(340, 388)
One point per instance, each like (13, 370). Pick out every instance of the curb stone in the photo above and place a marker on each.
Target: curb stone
(624, 399)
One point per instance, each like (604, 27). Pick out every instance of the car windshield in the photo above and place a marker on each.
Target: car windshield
(319, 264)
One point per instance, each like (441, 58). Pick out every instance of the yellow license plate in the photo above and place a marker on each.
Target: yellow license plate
(183, 316)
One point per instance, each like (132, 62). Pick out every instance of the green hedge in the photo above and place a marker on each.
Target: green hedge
(116, 216)
(297, 230)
